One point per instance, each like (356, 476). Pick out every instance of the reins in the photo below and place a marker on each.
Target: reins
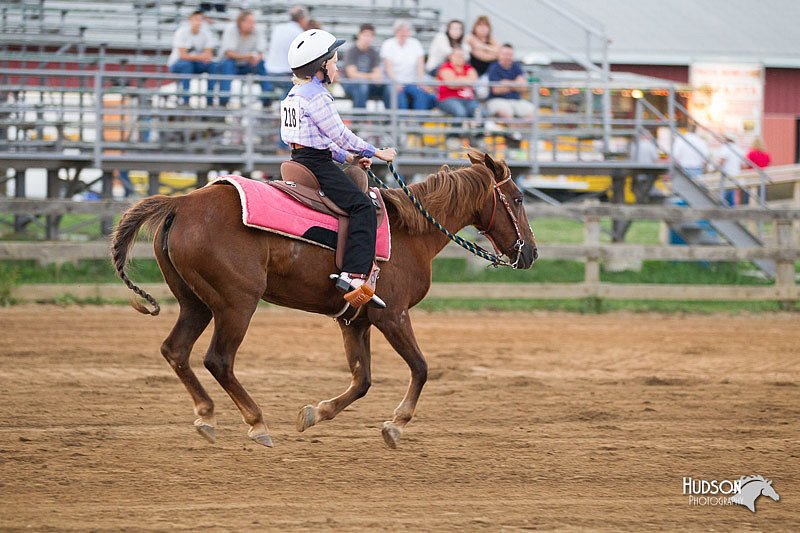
(494, 258)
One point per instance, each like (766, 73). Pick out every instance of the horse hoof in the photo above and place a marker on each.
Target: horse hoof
(306, 418)
(264, 440)
(205, 430)
(391, 434)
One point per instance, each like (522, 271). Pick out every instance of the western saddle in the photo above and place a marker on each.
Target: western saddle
(301, 184)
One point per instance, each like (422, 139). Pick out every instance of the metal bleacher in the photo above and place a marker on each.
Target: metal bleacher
(83, 85)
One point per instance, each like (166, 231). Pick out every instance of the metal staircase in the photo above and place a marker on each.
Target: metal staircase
(696, 194)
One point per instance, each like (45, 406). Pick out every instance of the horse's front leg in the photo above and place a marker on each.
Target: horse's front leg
(397, 329)
(356, 347)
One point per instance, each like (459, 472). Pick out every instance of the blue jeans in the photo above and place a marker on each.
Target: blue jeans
(230, 67)
(459, 107)
(184, 66)
(419, 99)
(359, 93)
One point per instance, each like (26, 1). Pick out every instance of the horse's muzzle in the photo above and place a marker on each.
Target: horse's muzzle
(528, 255)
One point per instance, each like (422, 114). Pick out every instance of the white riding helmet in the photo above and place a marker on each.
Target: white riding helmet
(310, 50)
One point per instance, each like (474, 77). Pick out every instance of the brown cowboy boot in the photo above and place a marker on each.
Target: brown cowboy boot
(360, 289)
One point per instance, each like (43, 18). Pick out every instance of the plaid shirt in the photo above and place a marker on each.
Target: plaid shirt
(319, 124)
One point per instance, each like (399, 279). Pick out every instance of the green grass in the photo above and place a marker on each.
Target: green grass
(444, 270)
(590, 306)
(570, 231)
(89, 228)
(563, 271)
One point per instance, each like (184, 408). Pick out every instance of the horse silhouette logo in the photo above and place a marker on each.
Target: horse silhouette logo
(751, 487)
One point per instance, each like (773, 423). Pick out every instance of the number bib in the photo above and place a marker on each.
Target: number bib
(290, 115)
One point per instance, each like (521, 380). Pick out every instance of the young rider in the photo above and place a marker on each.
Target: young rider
(311, 125)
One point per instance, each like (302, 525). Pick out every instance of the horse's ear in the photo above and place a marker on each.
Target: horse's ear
(769, 482)
(494, 166)
(475, 157)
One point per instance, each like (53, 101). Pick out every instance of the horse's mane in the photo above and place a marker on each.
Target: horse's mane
(445, 193)
(745, 480)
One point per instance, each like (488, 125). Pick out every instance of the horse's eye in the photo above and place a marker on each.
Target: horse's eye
(518, 201)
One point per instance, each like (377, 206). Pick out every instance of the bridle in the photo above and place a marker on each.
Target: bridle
(494, 258)
(520, 244)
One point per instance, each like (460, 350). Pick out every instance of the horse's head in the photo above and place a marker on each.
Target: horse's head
(502, 219)
(768, 491)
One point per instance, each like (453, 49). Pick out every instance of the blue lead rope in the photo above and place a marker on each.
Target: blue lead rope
(465, 244)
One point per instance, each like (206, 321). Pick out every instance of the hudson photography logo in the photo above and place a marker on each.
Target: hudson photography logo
(743, 491)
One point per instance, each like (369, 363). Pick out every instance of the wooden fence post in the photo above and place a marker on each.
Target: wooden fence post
(784, 270)
(591, 238)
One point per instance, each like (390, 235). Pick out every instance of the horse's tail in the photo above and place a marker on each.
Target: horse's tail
(150, 212)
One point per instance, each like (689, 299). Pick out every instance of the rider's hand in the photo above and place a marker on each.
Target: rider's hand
(365, 163)
(349, 158)
(386, 154)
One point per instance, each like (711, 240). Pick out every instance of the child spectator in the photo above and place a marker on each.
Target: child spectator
(362, 68)
(457, 100)
(758, 153)
(484, 49)
(242, 52)
(193, 53)
(443, 43)
(403, 62)
(506, 101)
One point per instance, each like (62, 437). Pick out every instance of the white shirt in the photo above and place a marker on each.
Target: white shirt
(687, 156)
(440, 49)
(403, 58)
(233, 41)
(282, 37)
(193, 42)
(644, 151)
(731, 157)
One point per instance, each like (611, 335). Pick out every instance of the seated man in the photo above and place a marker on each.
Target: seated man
(505, 100)
(192, 53)
(242, 52)
(362, 66)
(404, 65)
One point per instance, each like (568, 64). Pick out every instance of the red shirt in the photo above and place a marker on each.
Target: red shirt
(464, 93)
(759, 158)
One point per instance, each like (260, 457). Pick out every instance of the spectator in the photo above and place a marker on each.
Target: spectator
(403, 63)
(505, 100)
(758, 153)
(282, 36)
(443, 43)
(644, 151)
(457, 100)
(362, 68)
(313, 24)
(242, 52)
(206, 7)
(691, 152)
(192, 53)
(730, 157)
(484, 50)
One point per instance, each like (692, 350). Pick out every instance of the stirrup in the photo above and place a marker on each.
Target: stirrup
(358, 296)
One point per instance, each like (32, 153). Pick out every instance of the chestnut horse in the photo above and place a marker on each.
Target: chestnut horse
(217, 267)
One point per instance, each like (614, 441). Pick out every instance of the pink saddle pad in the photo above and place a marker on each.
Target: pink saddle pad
(267, 208)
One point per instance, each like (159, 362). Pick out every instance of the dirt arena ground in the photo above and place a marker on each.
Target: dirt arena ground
(528, 421)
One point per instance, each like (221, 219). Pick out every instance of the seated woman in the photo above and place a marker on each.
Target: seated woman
(458, 99)
(443, 43)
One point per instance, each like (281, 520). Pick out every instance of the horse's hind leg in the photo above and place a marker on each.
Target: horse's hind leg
(397, 330)
(192, 320)
(230, 326)
(356, 345)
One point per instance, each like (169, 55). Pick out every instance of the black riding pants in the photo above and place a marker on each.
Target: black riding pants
(359, 252)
